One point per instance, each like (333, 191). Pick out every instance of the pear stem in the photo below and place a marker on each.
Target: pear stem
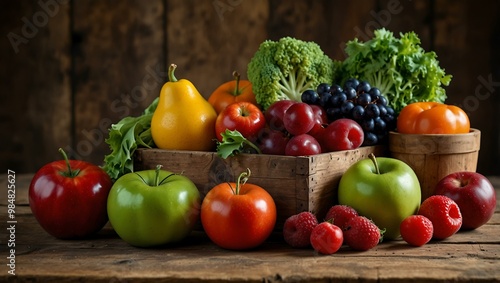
(171, 70)
(374, 160)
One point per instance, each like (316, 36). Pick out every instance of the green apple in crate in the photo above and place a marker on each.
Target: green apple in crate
(385, 190)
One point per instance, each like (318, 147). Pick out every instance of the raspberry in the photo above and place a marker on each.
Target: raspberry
(361, 233)
(297, 229)
(340, 214)
(416, 230)
(444, 214)
(326, 238)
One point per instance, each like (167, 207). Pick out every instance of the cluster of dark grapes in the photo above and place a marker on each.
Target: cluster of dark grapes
(358, 101)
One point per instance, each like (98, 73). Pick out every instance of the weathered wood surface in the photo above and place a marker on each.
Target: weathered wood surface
(90, 63)
(472, 256)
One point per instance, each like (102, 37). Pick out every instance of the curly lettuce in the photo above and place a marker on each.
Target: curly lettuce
(402, 70)
(124, 138)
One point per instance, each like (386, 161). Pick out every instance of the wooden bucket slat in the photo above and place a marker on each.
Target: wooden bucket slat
(433, 157)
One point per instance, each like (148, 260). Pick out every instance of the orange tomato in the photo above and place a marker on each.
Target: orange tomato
(232, 91)
(432, 118)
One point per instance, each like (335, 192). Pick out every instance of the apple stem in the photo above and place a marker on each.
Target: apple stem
(157, 175)
(236, 76)
(374, 160)
(242, 179)
(70, 173)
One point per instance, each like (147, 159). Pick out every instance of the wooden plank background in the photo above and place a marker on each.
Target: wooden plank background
(71, 68)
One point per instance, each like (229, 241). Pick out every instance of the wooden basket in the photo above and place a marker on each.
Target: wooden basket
(432, 157)
(305, 183)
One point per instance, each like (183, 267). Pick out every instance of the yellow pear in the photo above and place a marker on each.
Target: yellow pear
(183, 119)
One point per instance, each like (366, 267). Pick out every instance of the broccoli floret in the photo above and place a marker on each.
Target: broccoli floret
(283, 69)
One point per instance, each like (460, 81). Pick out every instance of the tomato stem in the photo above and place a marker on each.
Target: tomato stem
(374, 160)
(171, 70)
(70, 173)
(236, 76)
(242, 179)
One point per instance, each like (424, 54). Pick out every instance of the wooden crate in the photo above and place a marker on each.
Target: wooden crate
(306, 183)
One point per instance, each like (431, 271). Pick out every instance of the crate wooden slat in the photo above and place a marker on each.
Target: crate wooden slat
(296, 183)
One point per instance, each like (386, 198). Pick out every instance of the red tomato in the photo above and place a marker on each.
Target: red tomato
(238, 216)
(243, 116)
(69, 198)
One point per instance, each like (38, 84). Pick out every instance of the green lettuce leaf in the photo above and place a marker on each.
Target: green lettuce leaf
(402, 70)
(124, 138)
(233, 142)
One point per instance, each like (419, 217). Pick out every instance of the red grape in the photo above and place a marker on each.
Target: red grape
(303, 144)
(342, 134)
(275, 112)
(272, 141)
(299, 118)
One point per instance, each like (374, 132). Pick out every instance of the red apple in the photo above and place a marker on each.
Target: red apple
(69, 198)
(474, 195)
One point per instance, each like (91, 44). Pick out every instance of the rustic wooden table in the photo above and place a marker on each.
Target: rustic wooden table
(467, 256)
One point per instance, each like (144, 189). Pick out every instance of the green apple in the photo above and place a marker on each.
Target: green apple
(153, 207)
(386, 190)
